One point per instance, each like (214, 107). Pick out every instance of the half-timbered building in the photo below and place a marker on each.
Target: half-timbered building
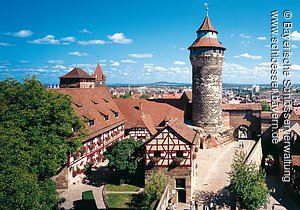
(144, 118)
(173, 151)
(105, 125)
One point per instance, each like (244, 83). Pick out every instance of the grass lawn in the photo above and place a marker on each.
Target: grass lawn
(118, 200)
(122, 187)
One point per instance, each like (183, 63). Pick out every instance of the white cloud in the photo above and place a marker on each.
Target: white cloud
(85, 31)
(49, 39)
(245, 36)
(295, 67)
(59, 66)
(79, 54)
(145, 55)
(125, 74)
(23, 61)
(4, 44)
(55, 61)
(116, 63)
(119, 38)
(295, 36)
(179, 63)
(23, 33)
(128, 61)
(91, 42)
(68, 39)
(246, 55)
(294, 46)
(261, 38)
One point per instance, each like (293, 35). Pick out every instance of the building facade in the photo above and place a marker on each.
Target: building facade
(173, 151)
(207, 57)
(105, 125)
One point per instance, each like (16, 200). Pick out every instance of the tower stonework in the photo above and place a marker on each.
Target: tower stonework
(207, 57)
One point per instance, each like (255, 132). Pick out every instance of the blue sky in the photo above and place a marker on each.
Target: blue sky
(138, 41)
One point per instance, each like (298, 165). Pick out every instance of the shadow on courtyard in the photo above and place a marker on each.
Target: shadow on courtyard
(98, 176)
(221, 198)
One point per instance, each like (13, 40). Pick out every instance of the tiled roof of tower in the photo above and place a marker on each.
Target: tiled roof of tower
(207, 26)
(206, 42)
(77, 73)
(154, 113)
(93, 104)
(98, 74)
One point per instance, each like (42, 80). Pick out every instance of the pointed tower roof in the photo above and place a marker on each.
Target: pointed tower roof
(207, 26)
(77, 73)
(98, 74)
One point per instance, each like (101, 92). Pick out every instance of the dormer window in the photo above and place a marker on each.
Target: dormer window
(91, 123)
(105, 117)
(116, 114)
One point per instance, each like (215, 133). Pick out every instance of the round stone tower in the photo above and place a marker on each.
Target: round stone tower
(207, 57)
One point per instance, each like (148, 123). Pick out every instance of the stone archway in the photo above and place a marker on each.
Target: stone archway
(242, 132)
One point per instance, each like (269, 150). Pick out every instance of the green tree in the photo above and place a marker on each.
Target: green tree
(35, 125)
(156, 185)
(124, 156)
(145, 96)
(247, 183)
(126, 95)
(265, 106)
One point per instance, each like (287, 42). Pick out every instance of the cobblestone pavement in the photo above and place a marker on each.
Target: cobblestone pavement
(212, 170)
(93, 182)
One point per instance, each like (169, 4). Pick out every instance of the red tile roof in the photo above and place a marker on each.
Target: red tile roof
(293, 116)
(182, 130)
(207, 26)
(154, 113)
(98, 74)
(243, 106)
(93, 103)
(206, 42)
(77, 73)
(296, 160)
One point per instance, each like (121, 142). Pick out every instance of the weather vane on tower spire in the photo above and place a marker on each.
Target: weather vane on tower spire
(206, 5)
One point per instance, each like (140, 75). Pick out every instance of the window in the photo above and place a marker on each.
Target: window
(179, 154)
(116, 114)
(180, 183)
(105, 117)
(91, 123)
(157, 154)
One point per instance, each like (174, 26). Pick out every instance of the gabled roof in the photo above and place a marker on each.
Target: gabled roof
(77, 73)
(207, 26)
(207, 42)
(189, 135)
(155, 113)
(98, 74)
(92, 111)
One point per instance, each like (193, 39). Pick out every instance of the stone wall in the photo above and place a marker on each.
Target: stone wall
(207, 90)
(173, 174)
(61, 179)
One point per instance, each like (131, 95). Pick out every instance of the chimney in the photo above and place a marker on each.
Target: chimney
(141, 106)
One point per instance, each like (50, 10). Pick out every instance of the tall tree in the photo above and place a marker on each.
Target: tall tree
(36, 126)
(124, 156)
(247, 183)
